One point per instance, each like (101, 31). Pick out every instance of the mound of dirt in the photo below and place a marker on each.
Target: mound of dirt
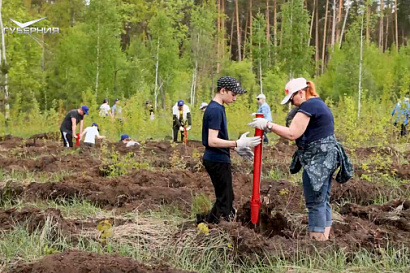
(34, 219)
(9, 141)
(50, 135)
(51, 163)
(395, 213)
(143, 190)
(75, 261)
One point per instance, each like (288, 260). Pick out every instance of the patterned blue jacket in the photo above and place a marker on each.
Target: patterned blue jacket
(320, 159)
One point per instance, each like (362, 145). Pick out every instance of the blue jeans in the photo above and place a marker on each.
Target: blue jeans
(317, 203)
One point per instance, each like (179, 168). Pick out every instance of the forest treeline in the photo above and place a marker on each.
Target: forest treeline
(163, 51)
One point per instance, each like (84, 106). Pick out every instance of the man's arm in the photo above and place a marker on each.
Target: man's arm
(98, 135)
(81, 126)
(214, 141)
(73, 126)
(176, 121)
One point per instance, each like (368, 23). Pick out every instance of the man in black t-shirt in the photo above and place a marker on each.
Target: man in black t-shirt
(68, 126)
(216, 159)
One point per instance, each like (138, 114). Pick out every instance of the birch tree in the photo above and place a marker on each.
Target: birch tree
(3, 64)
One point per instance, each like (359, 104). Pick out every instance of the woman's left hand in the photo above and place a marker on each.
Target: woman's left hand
(259, 123)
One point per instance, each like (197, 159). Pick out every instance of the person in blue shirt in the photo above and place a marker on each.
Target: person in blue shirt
(265, 110)
(402, 112)
(116, 110)
(318, 152)
(216, 158)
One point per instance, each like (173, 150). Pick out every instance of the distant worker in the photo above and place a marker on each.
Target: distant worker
(68, 126)
(402, 112)
(150, 108)
(125, 139)
(91, 133)
(265, 110)
(181, 118)
(105, 109)
(116, 109)
(203, 106)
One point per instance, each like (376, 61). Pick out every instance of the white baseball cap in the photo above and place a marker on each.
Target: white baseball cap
(293, 86)
(203, 105)
(261, 96)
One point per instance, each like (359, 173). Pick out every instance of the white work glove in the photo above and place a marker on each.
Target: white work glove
(246, 153)
(245, 141)
(260, 123)
(188, 128)
(181, 128)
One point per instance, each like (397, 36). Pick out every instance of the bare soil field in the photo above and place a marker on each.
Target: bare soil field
(160, 174)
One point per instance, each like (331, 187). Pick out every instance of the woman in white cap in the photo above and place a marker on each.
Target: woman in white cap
(318, 152)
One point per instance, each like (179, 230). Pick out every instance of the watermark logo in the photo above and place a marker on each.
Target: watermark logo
(23, 28)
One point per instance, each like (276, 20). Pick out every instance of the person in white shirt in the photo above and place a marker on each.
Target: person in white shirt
(105, 109)
(181, 118)
(91, 133)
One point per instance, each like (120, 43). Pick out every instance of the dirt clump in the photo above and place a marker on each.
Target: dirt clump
(356, 190)
(395, 213)
(402, 171)
(75, 261)
(9, 141)
(34, 219)
(141, 191)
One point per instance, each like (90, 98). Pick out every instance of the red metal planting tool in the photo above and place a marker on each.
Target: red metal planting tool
(255, 201)
(77, 140)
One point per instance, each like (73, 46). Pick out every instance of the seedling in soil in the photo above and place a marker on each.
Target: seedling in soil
(105, 227)
(176, 159)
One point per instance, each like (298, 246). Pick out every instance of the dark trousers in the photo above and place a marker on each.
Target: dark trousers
(221, 176)
(403, 128)
(175, 131)
(403, 131)
(67, 139)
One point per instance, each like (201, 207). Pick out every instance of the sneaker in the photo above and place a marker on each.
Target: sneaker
(233, 216)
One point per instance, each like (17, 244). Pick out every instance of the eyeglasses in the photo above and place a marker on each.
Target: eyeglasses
(293, 95)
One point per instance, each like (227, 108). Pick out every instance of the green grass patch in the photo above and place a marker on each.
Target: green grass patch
(201, 203)
(191, 251)
(75, 208)
(33, 176)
